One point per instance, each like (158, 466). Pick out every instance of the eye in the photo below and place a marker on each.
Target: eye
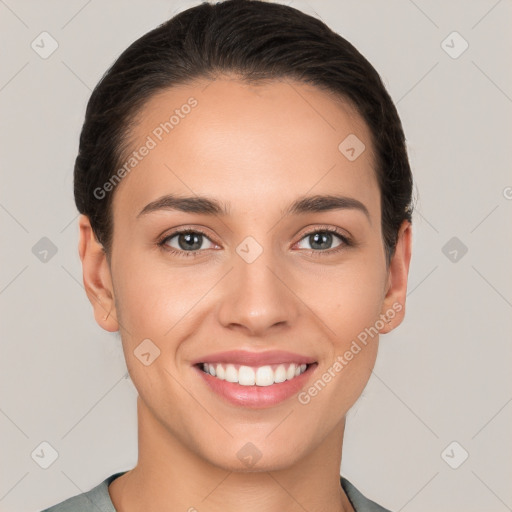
(321, 240)
(185, 243)
(189, 242)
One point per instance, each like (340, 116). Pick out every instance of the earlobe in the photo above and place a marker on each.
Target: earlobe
(96, 277)
(393, 307)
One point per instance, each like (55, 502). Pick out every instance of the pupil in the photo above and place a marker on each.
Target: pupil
(191, 241)
(325, 237)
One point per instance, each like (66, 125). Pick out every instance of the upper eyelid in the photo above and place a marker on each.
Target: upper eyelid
(164, 238)
(331, 229)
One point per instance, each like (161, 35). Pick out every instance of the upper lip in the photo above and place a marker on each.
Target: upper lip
(247, 358)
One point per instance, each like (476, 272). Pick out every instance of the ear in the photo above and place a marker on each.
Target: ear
(393, 307)
(96, 277)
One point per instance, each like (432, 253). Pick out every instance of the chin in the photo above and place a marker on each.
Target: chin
(250, 459)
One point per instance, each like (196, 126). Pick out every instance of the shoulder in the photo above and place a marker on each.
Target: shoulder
(360, 502)
(97, 499)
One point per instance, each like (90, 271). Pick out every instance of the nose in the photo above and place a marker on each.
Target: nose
(258, 296)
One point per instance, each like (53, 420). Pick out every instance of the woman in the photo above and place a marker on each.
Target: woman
(245, 200)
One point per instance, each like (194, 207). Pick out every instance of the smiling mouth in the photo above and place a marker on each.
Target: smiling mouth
(266, 375)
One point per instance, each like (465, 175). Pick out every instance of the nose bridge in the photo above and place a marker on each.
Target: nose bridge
(257, 297)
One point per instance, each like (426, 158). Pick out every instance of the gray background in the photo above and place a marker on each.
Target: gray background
(443, 376)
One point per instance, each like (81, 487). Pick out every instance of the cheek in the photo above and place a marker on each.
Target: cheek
(152, 298)
(347, 297)
(150, 301)
(349, 304)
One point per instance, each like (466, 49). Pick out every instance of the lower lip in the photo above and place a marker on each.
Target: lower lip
(257, 397)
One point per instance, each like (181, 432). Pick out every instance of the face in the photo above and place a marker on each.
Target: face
(249, 275)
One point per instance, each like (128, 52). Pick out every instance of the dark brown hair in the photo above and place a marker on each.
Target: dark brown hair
(256, 40)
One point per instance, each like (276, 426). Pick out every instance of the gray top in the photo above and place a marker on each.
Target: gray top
(98, 499)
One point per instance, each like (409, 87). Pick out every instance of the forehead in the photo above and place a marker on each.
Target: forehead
(243, 143)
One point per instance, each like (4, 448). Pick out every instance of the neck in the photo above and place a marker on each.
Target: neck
(169, 476)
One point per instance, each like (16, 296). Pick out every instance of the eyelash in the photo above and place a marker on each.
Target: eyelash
(347, 242)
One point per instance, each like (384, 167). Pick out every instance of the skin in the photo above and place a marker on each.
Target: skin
(272, 144)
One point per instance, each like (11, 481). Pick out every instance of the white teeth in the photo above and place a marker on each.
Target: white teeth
(280, 374)
(231, 373)
(264, 376)
(260, 376)
(290, 373)
(219, 372)
(246, 376)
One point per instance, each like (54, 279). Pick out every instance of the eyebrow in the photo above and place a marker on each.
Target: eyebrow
(207, 206)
